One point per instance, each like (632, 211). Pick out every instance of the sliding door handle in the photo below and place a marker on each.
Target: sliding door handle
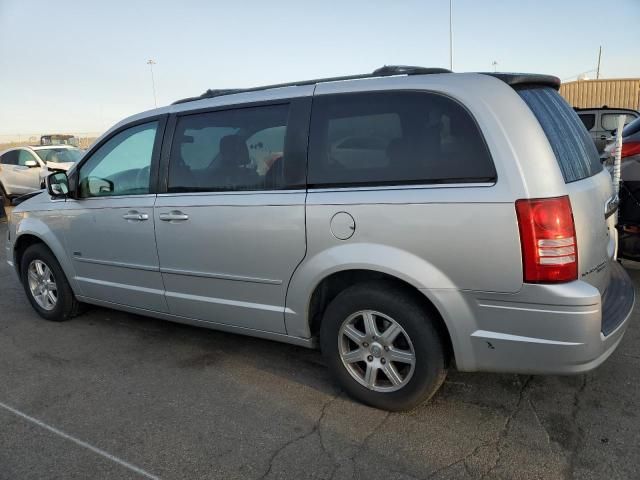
(135, 216)
(174, 216)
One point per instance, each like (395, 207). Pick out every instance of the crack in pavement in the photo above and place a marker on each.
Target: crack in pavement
(363, 444)
(507, 424)
(495, 442)
(574, 417)
(313, 430)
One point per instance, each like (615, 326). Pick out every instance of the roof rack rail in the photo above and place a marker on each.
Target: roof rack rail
(385, 71)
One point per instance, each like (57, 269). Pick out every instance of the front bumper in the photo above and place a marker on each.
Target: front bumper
(543, 329)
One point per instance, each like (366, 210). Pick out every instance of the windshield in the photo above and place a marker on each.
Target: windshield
(60, 155)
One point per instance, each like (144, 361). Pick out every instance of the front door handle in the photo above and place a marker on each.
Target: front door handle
(174, 216)
(135, 216)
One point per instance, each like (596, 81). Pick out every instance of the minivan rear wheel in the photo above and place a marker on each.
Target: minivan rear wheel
(383, 347)
(46, 285)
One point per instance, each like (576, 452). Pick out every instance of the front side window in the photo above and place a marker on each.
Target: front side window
(229, 150)
(387, 138)
(589, 120)
(122, 165)
(610, 120)
(24, 156)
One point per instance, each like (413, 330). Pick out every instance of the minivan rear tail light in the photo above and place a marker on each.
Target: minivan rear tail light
(548, 240)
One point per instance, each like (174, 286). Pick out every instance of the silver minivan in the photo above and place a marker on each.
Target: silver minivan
(403, 221)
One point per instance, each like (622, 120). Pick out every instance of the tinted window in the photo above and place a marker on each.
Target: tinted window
(573, 147)
(610, 120)
(633, 127)
(10, 158)
(588, 119)
(122, 165)
(395, 138)
(229, 150)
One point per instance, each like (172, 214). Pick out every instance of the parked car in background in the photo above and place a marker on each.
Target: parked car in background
(602, 122)
(23, 169)
(629, 216)
(58, 139)
(403, 220)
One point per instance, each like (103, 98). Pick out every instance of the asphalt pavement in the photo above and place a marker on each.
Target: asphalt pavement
(114, 395)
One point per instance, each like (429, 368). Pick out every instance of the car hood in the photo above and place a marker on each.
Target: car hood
(64, 166)
(37, 200)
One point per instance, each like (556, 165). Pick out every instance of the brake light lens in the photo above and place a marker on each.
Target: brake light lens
(548, 240)
(629, 149)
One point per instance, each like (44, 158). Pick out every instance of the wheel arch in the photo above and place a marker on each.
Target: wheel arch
(321, 277)
(31, 231)
(333, 284)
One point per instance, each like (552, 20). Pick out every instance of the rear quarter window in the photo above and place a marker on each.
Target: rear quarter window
(572, 145)
(395, 138)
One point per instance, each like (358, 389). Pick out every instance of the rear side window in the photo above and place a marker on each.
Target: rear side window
(391, 138)
(588, 119)
(571, 143)
(229, 150)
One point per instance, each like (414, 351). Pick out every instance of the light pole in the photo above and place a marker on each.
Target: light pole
(151, 63)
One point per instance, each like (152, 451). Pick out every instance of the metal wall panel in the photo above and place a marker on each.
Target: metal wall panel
(618, 93)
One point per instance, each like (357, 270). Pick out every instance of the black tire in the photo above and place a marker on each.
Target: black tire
(431, 357)
(66, 306)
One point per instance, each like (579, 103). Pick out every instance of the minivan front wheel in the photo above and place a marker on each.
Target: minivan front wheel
(382, 346)
(46, 286)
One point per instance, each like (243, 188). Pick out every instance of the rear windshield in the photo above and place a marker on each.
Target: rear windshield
(633, 127)
(574, 149)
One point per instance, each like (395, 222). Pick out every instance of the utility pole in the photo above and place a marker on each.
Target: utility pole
(151, 63)
(599, 57)
(450, 36)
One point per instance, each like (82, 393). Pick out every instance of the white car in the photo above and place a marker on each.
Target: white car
(23, 169)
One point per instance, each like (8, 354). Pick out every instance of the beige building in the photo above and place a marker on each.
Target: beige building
(615, 92)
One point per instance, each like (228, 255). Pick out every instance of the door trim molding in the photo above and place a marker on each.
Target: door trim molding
(109, 263)
(221, 276)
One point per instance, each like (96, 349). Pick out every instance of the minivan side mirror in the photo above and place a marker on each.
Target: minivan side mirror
(31, 164)
(57, 184)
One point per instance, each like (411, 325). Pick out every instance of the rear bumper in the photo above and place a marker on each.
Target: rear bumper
(543, 329)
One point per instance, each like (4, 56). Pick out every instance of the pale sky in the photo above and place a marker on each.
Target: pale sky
(80, 66)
